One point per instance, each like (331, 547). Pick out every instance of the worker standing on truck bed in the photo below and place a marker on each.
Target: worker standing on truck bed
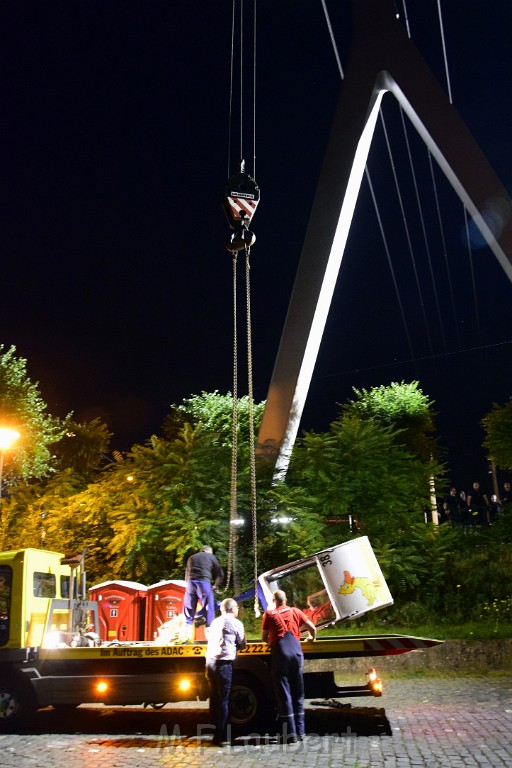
(203, 575)
(281, 630)
(225, 638)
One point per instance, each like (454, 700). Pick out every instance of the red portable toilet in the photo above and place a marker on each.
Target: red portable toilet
(164, 601)
(121, 610)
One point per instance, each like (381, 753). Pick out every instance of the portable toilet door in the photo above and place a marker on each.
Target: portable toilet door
(121, 607)
(164, 602)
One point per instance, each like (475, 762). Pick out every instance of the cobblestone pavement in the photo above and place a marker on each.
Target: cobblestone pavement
(448, 722)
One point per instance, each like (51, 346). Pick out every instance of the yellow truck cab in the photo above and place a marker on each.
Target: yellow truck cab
(29, 580)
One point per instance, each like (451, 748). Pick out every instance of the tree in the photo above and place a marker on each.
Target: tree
(359, 469)
(498, 441)
(77, 459)
(291, 524)
(83, 447)
(29, 508)
(213, 412)
(211, 415)
(146, 512)
(22, 407)
(401, 406)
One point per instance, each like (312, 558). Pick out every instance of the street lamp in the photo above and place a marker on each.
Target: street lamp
(7, 438)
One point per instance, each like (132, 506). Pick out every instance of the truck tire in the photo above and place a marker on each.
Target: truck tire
(17, 701)
(248, 706)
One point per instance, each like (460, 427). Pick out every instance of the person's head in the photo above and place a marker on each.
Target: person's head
(476, 486)
(229, 605)
(279, 598)
(207, 548)
(453, 491)
(506, 486)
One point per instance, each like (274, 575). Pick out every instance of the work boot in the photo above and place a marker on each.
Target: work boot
(299, 718)
(288, 735)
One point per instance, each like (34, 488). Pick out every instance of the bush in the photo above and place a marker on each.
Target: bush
(496, 611)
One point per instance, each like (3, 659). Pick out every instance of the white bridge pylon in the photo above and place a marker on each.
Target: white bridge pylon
(382, 59)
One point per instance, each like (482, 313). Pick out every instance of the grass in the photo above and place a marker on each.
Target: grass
(441, 631)
(455, 674)
(482, 630)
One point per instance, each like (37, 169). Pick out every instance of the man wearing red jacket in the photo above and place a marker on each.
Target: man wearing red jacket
(281, 629)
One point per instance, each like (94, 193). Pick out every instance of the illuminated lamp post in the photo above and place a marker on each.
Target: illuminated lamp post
(7, 438)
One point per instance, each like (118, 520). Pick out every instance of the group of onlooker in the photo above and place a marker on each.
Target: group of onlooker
(474, 507)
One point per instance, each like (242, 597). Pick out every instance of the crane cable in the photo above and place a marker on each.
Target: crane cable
(252, 441)
(231, 558)
(231, 562)
(240, 202)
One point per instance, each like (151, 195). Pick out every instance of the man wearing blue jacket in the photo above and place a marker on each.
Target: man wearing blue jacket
(203, 575)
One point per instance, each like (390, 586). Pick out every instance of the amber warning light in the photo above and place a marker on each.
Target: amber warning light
(374, 681)
(102, 686)
(185, 684)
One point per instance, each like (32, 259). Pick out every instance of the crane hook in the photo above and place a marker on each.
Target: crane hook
(241, 199)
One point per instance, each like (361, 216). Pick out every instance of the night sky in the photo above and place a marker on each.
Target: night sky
(114, 158)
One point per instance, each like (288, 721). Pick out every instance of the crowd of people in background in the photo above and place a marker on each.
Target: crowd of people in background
(474, 507)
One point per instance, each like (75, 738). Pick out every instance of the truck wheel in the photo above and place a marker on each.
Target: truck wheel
(17, 702)
(247, 704)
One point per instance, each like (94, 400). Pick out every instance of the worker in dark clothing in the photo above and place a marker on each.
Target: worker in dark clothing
(478, 505)
(203, 575)
(281, 630)
(453, 507)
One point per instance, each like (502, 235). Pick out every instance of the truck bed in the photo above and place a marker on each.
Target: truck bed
(150, 674)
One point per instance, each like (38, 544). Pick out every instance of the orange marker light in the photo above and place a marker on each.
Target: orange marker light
(374, 681)
(102, 686)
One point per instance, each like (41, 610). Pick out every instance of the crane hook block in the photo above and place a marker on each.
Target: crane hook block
(241, 198)
(241, 238)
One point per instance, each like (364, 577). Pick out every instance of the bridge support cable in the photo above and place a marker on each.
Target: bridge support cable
(445, 56)
(390, 263)
(406, 19)
(423, 228)
(445, 249)
(333, 40)
(382, 59)
(472, 272)
(407, 232)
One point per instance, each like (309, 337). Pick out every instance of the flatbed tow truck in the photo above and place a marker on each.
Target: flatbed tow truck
(50, 654)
